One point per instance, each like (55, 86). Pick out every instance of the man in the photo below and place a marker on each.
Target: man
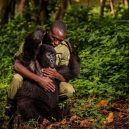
(55, 36)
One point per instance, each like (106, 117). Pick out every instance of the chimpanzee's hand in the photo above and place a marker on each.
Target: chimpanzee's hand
(46, 83)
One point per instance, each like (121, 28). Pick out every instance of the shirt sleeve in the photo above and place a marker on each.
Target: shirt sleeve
(19, 53)
(65, 56)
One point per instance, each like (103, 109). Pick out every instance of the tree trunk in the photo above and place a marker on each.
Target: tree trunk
(3, 7)
(63, 5)
(122, 2)
(112, 8)
(102, 5)
(41, 11)
(7, 10)
(128, 8)
(12, 9)
(44, 12)
(88, 3)
(20, 7)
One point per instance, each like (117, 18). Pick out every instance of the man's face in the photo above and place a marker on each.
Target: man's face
(56, 36)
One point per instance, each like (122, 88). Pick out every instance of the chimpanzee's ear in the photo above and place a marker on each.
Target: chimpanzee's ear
(41, 50)
(44, 47)
(47, 47)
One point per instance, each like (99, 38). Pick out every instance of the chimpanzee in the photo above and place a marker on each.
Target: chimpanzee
(32, 100)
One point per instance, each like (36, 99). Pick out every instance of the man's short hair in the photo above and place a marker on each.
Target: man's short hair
(60, 25)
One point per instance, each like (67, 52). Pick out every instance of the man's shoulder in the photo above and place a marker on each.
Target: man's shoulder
(64, 43)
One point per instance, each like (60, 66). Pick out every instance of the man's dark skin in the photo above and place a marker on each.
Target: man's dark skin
(56, 36)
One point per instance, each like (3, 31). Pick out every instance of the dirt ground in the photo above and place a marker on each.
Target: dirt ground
(116, 117)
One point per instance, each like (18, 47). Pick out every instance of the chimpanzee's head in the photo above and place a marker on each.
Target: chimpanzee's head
(32, 44)
(47, 56)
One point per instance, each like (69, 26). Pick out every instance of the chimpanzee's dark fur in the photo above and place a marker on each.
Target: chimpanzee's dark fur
(32, 100)
(73, 69)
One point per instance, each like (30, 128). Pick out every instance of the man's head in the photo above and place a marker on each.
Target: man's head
(57, 33)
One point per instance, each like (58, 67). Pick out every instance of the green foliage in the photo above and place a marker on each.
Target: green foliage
(3, 91)
(6, 69)
(11, 36)
(103, 47)
(122, 12)
(104, 61)
(76, 15)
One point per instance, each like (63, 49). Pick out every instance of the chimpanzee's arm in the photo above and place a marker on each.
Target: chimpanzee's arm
(72, 70)
(64, 71)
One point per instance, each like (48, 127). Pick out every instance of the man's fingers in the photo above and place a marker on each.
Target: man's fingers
(48, 85)
(48, 72)
(51, 87)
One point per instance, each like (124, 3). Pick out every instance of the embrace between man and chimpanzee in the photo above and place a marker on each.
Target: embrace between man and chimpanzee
(34, 101)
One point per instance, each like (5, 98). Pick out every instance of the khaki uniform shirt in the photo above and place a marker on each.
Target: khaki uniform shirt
(62, 54)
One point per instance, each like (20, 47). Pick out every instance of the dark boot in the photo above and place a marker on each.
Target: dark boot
(10, 108)
(61, 111)
(62, 98)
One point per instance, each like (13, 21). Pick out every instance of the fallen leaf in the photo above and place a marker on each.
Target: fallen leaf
(49, 127)
(64, 121)
(110, 117)
(73, 118)
(45, 122)
(102, 103)
(84, 123)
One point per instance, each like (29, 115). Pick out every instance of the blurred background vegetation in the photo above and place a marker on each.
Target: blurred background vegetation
(99, 29)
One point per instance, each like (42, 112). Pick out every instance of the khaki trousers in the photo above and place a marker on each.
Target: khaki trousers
(66, 89)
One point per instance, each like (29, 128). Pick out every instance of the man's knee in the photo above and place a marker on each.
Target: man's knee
(66, 89)
(16, 81)
(15, 84)
(17, 77)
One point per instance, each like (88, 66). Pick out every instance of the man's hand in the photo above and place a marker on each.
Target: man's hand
(46, 83)
(52, 73)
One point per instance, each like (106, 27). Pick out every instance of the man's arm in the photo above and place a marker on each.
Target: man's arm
(44, 82)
